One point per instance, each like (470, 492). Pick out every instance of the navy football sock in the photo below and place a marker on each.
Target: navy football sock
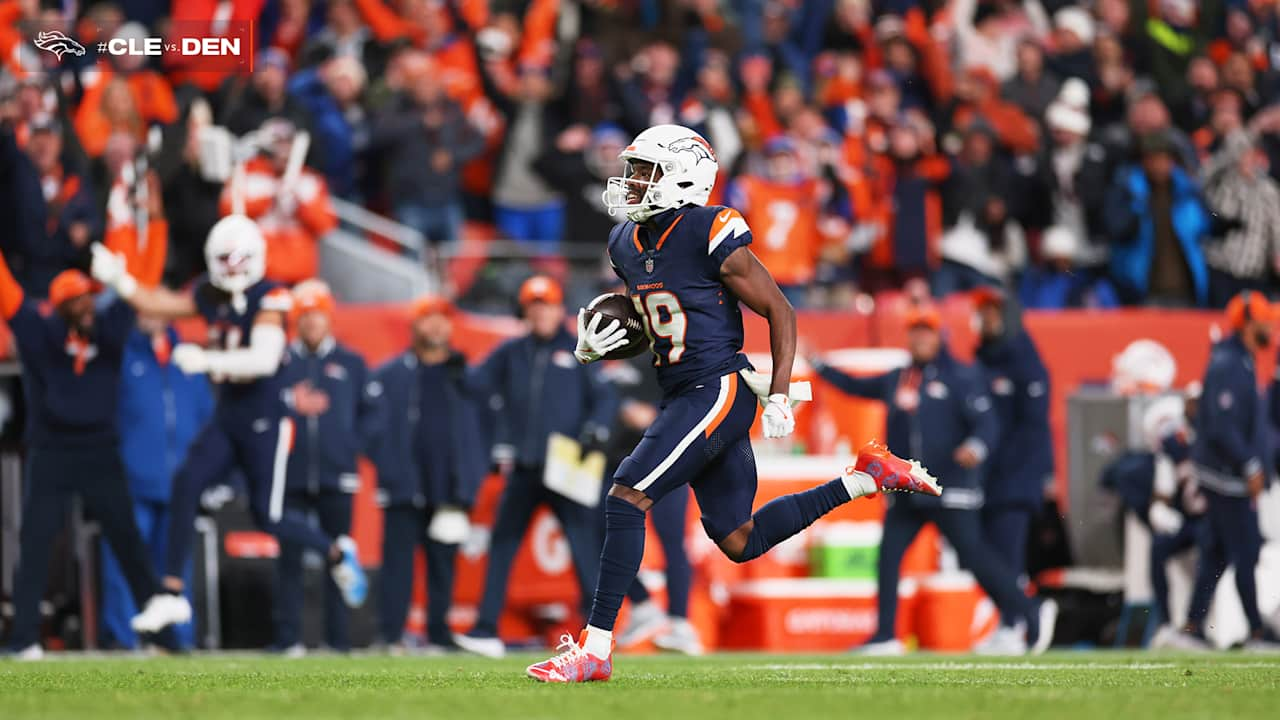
(785, 516)
(619, 560)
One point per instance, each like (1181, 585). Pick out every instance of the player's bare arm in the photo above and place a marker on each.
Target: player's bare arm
(163, 302)
(109, 269)
(743, 273)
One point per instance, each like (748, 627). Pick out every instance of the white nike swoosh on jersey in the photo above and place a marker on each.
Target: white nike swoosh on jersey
(724, 216)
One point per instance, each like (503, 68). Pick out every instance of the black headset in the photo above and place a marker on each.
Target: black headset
(1246, 297)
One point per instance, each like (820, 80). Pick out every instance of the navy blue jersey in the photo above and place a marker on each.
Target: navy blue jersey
(72, 393)
(671, 266)
(230, 329)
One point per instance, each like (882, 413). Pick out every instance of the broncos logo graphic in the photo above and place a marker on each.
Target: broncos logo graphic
(696, 145)
(57, 43)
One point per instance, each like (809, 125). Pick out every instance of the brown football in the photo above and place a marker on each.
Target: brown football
(616, 306)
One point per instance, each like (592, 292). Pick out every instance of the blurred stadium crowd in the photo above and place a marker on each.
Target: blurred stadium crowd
(1103, 153)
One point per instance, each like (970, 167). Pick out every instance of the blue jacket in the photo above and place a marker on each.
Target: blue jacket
(340, 139)
(1021, 463)
(1046, 289)
(396, 391)
(540, 388)
(953, 408)
(1231, 428)
(1132, 231)
(161, 412)
(326, 447)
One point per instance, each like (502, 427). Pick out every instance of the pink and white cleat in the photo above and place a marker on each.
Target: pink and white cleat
(892, 473)
(573, 664)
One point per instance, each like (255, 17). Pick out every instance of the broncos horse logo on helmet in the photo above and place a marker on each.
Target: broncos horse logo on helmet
(700, 148)
(56, 42)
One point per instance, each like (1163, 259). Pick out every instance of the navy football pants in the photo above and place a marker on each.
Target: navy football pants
(701, 439)
(259, 446)
(404, 529)
(961, 528)
(1005, 529)
(1229, 535)
(523, 494)
(96, 475)
(332, 509)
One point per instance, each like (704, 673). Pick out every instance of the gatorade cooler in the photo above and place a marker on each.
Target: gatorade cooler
(805, 615)
(953, 613)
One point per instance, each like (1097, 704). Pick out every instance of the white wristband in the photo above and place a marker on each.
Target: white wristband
(126, 286)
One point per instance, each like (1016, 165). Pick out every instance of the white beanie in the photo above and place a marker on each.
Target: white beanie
(1076, 20)
(1061, 116)
(1058, 242)
(1074, 93)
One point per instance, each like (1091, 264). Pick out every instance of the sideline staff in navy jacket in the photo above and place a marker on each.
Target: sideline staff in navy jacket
(939, 413)
(1230, 452)
(71, 382)
(1021, 461)
(540, 388)
(324, 390)
(161, 411)
(429, 446)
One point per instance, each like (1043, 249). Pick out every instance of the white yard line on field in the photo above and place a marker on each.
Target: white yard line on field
(968, 666)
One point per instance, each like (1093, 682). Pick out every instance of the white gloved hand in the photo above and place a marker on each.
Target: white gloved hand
(191, 359)
(778, 419)
(111, 270)
(449, 525)
(1163, 518)
(594, 342)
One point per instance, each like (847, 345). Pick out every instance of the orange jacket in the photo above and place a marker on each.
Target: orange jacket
(537, 42)
(292, 233)
(934, 168)
(152, 96)
(11, 295)
(1013, 128)
(386, 24)
(11, 37)
(760, 107)
(144, 257)
(935, 65)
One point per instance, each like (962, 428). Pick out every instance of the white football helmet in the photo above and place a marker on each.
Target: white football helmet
(685, 167)
(235, 253)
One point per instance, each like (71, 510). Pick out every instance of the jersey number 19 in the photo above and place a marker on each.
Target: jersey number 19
(666, 321)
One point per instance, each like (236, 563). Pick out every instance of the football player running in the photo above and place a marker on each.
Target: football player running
(686, 267)
(249, 429)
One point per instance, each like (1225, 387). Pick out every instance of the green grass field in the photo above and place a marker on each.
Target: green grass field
(1083, 686)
